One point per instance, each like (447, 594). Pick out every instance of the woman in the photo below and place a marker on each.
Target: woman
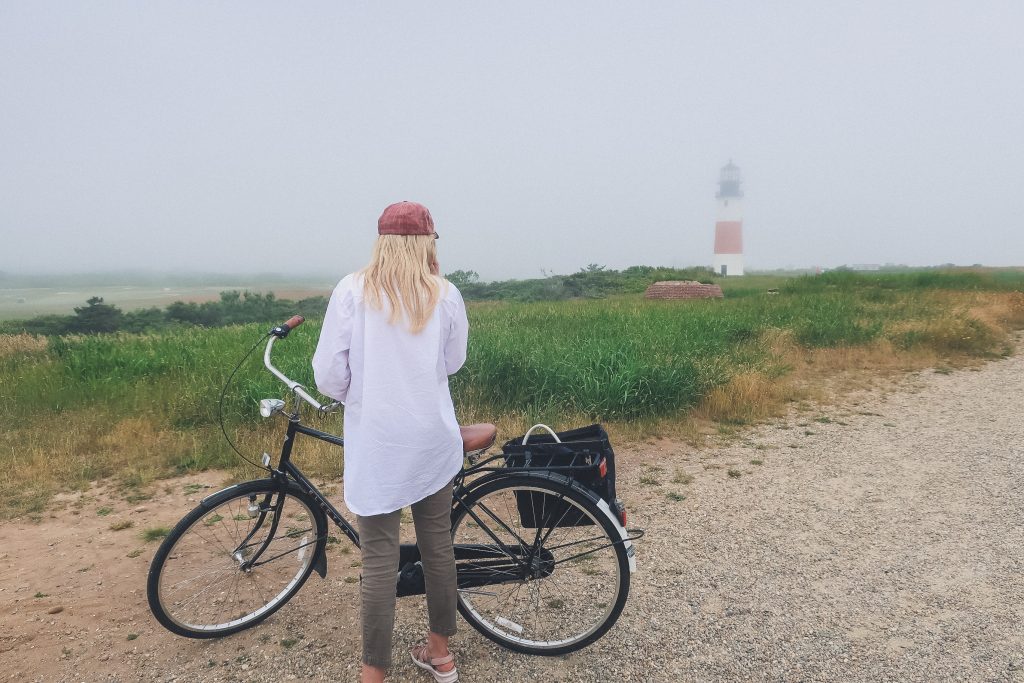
(392, 334)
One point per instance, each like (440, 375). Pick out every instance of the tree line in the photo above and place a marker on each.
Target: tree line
(592, 282)
(237, 307)
(232, 308)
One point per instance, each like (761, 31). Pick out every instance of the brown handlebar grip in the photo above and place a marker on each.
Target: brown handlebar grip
(294, 322)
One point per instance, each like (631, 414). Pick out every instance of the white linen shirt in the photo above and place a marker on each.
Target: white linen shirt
(402, 441)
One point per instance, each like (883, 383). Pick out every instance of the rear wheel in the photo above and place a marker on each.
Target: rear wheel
(236, 559)
(528, 580)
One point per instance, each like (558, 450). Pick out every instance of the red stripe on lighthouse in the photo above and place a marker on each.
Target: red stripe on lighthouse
(729, 237)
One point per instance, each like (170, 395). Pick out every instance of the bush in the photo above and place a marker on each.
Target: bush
(233, 308)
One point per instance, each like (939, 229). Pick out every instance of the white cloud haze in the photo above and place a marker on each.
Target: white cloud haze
(259, 135)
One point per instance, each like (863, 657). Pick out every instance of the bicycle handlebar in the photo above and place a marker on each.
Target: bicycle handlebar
(280, 332)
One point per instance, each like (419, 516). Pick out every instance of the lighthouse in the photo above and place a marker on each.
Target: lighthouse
(729, 226)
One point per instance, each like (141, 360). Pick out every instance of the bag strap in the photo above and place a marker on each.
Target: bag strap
(550, 431)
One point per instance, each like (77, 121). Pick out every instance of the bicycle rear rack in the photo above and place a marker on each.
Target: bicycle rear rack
(581, 463)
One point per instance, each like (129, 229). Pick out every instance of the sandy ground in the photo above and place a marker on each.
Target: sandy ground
(881, 539)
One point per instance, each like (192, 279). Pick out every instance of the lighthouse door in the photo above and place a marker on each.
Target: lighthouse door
(725, 269)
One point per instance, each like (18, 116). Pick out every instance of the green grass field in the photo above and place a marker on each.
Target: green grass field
(140, 407)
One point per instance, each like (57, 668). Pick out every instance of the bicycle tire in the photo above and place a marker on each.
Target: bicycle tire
(501, 627)
(240, 492)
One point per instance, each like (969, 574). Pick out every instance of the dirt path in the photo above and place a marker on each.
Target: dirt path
(882, 540)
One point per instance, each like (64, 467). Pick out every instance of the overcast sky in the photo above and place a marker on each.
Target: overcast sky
(245, 136)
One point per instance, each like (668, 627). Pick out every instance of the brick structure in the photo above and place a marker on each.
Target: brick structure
(682, 289)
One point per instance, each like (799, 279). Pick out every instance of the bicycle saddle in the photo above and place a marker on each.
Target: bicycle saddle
(477, 437)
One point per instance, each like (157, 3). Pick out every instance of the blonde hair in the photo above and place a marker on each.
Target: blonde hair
(400, 270)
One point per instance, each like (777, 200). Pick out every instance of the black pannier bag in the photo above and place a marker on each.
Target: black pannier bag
(576, 453)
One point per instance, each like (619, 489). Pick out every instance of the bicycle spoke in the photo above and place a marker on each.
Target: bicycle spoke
(196, 577)
(286, 552)
(491, 533)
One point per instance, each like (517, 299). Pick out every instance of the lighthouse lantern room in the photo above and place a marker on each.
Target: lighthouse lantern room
(729, 226)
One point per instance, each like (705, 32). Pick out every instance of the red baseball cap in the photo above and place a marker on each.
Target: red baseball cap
(406, 218)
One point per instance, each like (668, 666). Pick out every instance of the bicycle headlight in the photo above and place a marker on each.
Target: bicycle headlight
(269, 406)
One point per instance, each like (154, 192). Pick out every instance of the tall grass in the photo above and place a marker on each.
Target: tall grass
(142, 406)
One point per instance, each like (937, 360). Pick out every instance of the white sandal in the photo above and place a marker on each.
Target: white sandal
(419, 653)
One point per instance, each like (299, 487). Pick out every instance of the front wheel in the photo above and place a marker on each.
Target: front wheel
(542, 569)
(235, 559)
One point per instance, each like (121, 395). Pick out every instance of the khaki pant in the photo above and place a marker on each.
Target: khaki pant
(378, 538)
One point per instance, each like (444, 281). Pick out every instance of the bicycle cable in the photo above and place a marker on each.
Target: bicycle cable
(220, 403)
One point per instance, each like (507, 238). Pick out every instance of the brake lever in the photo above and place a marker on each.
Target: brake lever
(324, 411)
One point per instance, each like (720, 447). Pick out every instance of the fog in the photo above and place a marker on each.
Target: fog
(256, 136)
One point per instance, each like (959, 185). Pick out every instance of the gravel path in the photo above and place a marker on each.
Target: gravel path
(878, 540)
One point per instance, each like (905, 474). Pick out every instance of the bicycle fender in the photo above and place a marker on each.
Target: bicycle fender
(626, 543)
(481, 481)
(268, 482)
(493, 476)
(320, 563)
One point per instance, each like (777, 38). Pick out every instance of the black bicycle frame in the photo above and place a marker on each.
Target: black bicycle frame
(487, 567)
(286, 467)
(409, 552)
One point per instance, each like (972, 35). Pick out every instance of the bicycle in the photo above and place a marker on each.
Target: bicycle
(543, 564)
